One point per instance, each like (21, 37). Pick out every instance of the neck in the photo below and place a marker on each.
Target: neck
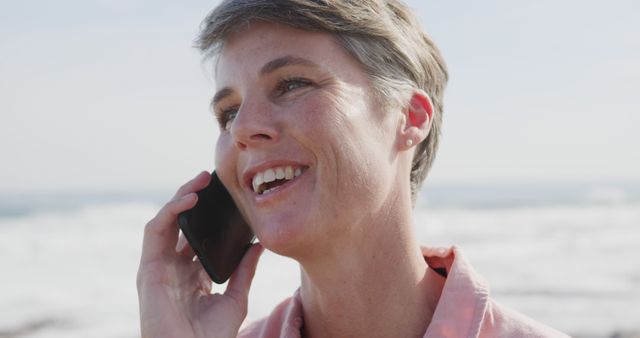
(372, 284)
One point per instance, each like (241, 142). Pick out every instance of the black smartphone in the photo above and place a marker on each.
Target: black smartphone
(216, 231)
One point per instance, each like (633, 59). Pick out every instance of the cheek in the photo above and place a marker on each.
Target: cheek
(324, 118)
(224, 161)
(340, 135)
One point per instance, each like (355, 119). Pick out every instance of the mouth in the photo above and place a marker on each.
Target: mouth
(273, 178)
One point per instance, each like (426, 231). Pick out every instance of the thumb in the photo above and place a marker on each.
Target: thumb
(240, 281)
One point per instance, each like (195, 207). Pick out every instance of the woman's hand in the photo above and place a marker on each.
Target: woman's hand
(174, 291)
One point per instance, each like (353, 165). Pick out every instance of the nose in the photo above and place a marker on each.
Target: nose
(255, 125)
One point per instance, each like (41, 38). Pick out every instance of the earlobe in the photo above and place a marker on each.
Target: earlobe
(417, 121)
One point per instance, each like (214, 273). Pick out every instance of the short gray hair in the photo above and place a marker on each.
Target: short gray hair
(383, 35)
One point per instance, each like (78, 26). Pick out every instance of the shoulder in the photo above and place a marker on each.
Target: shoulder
(284, 321)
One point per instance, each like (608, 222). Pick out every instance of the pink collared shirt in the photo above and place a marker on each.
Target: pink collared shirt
(464, 309)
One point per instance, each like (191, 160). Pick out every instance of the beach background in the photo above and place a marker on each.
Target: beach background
(564, 255)
(104, 113)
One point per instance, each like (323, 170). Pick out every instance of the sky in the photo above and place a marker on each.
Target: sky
(111, 96)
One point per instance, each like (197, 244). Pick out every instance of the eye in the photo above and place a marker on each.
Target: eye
(288, 85)
(225, 117)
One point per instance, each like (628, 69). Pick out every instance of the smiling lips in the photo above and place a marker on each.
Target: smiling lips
(270, 179)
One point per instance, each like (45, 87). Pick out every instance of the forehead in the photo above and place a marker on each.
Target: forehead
(251, 47)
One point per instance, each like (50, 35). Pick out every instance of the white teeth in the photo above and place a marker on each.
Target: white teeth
(279, 173)
(288, 172)
(257, 180)
(269, 176)
(268, 190)
(272, 174)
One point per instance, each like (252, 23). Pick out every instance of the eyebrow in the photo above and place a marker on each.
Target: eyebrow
(221, 94)
(284, 61)
(268, 68)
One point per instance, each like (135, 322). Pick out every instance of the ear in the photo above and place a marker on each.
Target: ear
(417, 116)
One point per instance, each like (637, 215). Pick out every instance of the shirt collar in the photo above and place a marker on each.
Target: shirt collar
(464, 296)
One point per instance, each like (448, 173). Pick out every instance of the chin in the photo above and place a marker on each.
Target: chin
(287, 238)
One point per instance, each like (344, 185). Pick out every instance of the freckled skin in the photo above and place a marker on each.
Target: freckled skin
(330, 126)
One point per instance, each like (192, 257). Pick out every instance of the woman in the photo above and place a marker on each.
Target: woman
(349, 95)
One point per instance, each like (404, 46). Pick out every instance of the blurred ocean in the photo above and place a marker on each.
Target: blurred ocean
(566, 255)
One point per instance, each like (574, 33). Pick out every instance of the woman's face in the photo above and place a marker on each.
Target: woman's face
(306, 154)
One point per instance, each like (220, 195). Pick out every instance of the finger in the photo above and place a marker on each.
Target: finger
(204, 281)
(184, 248)
(240, 282)
(197, 183)
(161, 233)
